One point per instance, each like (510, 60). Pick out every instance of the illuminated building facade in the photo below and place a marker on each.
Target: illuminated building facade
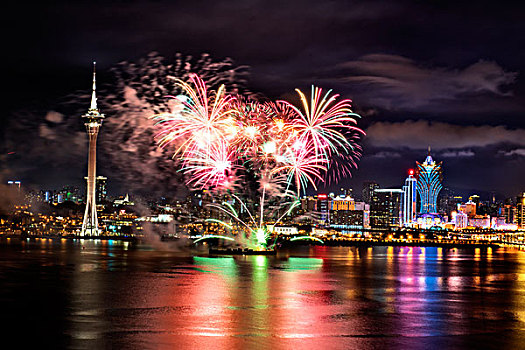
(426, 221)
(101, 189)
(460, 220)
(448, 200)
(508, 211)
(368, 191)
(429, 178)
(283, 230)
(309, 203)
(323, 208)
(93, 121)
(408, 205)
(499, 223)
(468, 208)
(342, 203)
(520, 211)
(385, 207)
(346, 213)
(479, 221)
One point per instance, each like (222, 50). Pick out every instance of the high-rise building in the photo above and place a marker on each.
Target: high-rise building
(408, 205)
(323, 208)
(447, 201)
(520, 211)
(453, 204)
(429, 178)
(309, 204)
(93, 121)
(508, 211)
(368, 191)
(101, 189)
(385, 207)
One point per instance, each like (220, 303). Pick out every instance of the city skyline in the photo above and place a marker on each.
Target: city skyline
(299, 174)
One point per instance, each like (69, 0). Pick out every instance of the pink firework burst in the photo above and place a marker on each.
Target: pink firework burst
(211, 167)
(204, 118)
(323, 121)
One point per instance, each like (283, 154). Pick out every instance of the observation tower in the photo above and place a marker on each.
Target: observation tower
(93, 121)
(429, 177)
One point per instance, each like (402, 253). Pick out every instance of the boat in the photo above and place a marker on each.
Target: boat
(240, 251)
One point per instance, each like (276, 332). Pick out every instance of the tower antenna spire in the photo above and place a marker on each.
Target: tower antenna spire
(94, 93)
(428, 149)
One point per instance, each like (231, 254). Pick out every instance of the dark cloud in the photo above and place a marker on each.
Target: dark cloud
(455, 154)
(419, 134)
(47, 148)
(386, 154)
(515, 152)
(399, 83)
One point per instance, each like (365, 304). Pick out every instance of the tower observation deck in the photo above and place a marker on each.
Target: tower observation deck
(93, 121)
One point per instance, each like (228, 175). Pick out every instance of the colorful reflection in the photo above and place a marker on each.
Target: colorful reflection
(111, 296)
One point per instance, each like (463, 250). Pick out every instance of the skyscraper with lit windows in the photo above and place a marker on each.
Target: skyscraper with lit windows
(409, 201)
(101, 189)
(429, 178)
(520, 210)
(385, 207)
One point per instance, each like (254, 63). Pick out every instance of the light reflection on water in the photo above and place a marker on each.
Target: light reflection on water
(109, 294)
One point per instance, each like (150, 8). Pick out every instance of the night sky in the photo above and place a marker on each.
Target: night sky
(444, 74)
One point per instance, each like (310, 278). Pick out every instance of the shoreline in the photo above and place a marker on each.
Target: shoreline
(71, 238)
(287, 244)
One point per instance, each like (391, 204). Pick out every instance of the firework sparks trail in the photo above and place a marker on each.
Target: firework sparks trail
(302, 167)
(204, 120)
(322, 119)
(254, 229)
(210, 167)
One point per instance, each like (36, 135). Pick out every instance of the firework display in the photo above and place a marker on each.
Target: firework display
(215, 134)
(222, 140)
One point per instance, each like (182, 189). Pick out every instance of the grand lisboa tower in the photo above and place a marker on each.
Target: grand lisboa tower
(429, 182)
